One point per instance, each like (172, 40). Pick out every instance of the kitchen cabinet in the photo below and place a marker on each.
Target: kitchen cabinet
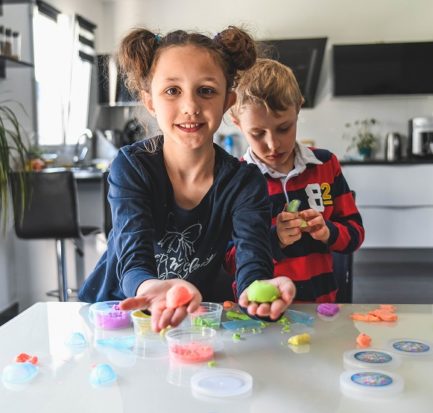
(395, 201)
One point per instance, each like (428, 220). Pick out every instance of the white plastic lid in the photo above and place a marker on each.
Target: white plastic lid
(411, 347)
(370, 384)
(216, 382)
(370, 359)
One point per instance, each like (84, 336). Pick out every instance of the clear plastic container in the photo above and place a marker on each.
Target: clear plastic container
(191, 345)
(106, 315)
(207, 315)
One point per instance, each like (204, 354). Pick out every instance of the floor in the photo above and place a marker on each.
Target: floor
(397, 283)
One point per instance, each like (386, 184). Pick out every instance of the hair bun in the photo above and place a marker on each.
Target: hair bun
(239, 46)
(135, 56)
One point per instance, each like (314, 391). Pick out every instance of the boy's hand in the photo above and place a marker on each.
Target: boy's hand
(276, 308)
(288, 228)
(151, 295)
(316, 225)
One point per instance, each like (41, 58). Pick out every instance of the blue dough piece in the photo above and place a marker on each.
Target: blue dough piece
(19, 373)
(76, 341)
(118, 343)
(300, 317)
(102, 375)
(238, 324)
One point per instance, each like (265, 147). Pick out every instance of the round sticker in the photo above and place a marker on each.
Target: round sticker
(373, 379)
(373, 357)
(409, 346)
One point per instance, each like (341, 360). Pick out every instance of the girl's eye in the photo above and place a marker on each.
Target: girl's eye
(172, 91)
(206, 91)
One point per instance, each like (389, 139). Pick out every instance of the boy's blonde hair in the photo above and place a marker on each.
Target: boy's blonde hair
(269, 83)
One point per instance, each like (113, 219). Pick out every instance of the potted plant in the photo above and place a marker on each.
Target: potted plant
(13, 156)
(362, 137)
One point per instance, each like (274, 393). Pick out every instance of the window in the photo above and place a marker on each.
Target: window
(64, 51)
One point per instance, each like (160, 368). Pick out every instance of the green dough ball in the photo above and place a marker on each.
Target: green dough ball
(262, 292)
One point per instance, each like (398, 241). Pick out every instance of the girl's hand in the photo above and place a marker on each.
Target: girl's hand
(316, 225)
(151, 295)
(277, 307)
(288, 228)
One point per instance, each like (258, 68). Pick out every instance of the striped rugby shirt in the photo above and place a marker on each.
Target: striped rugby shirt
(317, 181)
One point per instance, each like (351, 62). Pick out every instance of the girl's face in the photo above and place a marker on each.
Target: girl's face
(271, 135)
(188, 95)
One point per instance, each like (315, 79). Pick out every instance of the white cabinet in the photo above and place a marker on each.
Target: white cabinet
(396, 203)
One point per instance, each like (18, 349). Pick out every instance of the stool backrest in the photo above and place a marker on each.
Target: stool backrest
(108, 223)
(51, 209)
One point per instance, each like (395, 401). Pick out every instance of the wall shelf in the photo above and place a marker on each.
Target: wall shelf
(12, 63)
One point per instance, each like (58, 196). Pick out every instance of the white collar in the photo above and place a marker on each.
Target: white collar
(303, 156)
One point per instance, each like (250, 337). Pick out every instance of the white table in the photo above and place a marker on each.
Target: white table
(284, 381)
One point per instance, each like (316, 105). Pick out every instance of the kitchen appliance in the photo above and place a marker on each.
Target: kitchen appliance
(421, 137)
(393, 143)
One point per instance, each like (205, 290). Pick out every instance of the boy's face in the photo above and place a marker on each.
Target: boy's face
(271, 135)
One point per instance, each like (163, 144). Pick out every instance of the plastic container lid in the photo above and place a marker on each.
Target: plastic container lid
(411, 347)
(370, 359)
(374, 384)
(217, 382)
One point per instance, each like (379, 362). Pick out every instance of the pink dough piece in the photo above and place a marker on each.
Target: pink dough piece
(193, 352)
(178, 296)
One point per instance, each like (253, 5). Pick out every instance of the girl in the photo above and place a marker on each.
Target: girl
(266, 112)
(176, 199)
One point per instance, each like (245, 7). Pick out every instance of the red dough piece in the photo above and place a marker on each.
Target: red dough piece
(177, 296)
(26, 358)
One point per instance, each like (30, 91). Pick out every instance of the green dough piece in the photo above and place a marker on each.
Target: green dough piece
(304, 224)
(262, 292)
(294, 205)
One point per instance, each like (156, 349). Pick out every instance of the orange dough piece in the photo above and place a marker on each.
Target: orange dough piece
(177, 296)
(384, 315)
(26, 358)
(228, 304)
(363, 340)
(364, 317)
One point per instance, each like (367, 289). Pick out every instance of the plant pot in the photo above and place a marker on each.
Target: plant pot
(365, 152)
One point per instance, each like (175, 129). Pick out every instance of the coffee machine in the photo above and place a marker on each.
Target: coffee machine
(420, 138)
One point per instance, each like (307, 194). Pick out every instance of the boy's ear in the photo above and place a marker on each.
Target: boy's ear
(230, 100)
(235, 120)
(146, 98)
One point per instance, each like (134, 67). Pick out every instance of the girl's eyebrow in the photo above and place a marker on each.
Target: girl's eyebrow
(204, 79)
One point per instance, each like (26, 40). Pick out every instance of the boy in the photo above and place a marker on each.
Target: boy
(266, 112)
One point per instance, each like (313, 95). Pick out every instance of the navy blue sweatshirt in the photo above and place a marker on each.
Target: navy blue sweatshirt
(152, 237)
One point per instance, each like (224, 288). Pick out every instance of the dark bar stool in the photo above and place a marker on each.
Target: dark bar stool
(108, 223)
(51, 212)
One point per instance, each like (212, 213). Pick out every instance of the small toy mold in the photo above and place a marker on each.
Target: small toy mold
(102, 375)
(107, 315)
(207, 315)
(17, 375)
(191, 345)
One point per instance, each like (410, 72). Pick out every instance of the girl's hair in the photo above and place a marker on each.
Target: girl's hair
(270, 84)
(139, 51)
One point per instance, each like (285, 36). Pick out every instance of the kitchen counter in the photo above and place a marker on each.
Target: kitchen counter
(415, 161)
(303, 379)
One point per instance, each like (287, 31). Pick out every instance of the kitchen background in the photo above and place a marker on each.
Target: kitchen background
(27, 268)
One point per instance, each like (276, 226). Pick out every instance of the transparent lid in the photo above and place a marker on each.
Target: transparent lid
(370, 359)
(216, 382)
(374, 384)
